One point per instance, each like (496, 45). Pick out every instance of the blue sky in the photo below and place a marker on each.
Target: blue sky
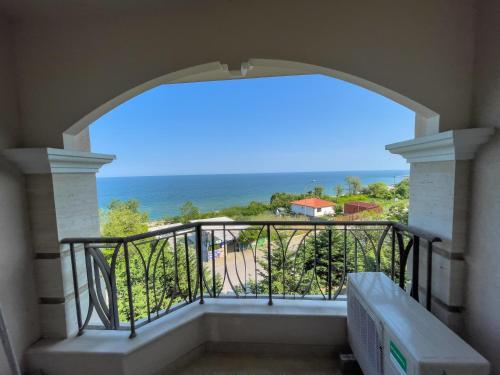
(282, 124)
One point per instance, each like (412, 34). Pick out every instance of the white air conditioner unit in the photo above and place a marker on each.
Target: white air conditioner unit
(392, 334)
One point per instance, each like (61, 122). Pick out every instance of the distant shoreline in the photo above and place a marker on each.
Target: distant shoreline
(262, 173)
(162, 196)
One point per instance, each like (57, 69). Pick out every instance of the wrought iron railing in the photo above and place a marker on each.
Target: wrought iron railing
(126, 282)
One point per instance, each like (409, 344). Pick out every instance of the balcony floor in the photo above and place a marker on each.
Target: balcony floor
(249, 364)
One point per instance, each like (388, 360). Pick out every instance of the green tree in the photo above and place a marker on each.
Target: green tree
(398, 212)
(339, 189)
(158, 264)
(378, 190)
(123, 218)
(304, 270)
(235, 212)
(189, 211)
(354, 184)
(282, 200)
(402, 189)
(318, 191)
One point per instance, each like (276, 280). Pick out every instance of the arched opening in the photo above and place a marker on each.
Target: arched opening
(426, 120)
(253, 127)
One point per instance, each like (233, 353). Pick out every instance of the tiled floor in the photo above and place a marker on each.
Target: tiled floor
(250, 364)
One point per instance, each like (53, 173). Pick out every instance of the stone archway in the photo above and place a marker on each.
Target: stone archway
(426, 120)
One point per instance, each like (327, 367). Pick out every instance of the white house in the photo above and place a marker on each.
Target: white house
(313, 207)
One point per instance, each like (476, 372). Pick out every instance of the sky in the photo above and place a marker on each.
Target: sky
(278, 124)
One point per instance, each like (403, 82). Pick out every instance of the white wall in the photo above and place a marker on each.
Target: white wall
(309, 211)
(482, 310)
(17, 287)
(302, 210)
(326, 211)
(73, 61)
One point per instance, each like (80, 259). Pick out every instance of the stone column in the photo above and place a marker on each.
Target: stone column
(439, 201)
(62, 201)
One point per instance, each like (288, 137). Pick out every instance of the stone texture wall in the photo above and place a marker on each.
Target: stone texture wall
(482, 318)
(17, 286)
(61, 206)
(70, 62)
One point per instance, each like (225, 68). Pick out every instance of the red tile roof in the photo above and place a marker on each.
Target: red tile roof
(362, 204)
(313, 202)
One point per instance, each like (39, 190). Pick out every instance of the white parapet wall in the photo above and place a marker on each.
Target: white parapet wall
(234, 324)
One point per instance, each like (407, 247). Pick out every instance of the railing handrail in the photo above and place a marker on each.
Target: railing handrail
(134, 237)
(428, 236)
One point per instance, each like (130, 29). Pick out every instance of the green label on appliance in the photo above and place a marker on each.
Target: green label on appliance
(398, 356)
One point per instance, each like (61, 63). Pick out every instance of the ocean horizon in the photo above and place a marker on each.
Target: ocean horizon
(162, 196)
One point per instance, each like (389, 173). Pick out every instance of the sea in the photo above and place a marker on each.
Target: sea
(163, 196)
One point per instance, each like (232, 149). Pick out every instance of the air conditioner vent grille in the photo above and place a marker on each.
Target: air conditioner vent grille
(364, 337)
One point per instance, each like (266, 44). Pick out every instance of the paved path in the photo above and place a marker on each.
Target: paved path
(242, 264)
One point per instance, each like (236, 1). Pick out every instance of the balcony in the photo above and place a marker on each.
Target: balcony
(63, 66)
(225, 290)
(135, 280)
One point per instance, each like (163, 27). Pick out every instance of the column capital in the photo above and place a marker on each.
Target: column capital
(446, 146)
(54, 160)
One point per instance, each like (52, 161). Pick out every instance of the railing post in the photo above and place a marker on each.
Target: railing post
(428, 296)
(200, 260)
(146, 282)
(330, 263)
(75, 288)
(345, 250)
(188, 267)
(177, 288)
(402, 264)
(114, 299)
(415, 268)
(214, 288)
(393, 253)
(129, 290)
(269, 266)
(315, 249)
(356, 255)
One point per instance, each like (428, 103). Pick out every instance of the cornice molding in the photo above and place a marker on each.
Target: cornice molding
(54, 160)
(445, 146)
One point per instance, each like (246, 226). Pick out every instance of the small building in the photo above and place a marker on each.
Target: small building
(230, 234)
(155, 227)
(168, 234)
(352, 208)
(313, 207)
